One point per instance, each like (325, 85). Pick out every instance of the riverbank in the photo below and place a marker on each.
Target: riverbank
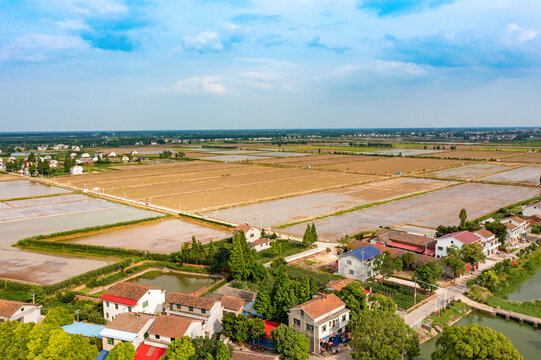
(433, 325)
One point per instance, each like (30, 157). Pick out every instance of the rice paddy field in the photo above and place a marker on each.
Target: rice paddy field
(402, 152)
(162, 236)
(427, 210)
(530, 174)
(8, 177)
(470, 171)
(475, 155)
(24, 188)
(317, 160)
(527, 158)
(227, 158)
(393, 165)
(299, 208)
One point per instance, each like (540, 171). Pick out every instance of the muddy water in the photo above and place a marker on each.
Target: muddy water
(526, 339)
(530, 290)
(174, 282)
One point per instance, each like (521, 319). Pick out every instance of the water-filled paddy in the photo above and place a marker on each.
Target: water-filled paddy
(175, 282)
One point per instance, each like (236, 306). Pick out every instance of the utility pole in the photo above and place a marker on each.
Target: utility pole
(33, 298)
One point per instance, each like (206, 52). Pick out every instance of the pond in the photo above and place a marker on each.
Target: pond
(529, 290)
(175, 282)
(526, 339)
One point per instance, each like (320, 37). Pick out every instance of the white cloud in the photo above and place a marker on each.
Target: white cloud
(514, 33)
(388, 67)
(203, 42)
(265, 80)
(72, 25)
(37, 47)
(203, 85)
(100, 6)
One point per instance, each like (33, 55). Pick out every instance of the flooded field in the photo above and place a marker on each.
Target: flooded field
(402, 152)
(475, 154)
(283, 154)
(469, 171)
(160, 236)
(42, 269)
(430, 210)
(19, 210)
(283, 211)
(175, 282)
(24, 188)
(528, 174)
(227, 158)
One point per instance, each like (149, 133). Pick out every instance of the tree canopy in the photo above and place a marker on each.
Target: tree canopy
(472, 254)
(122, 351)
(180, 349)
(58, 316)
(428, 274)
(354, 296)
(454, 261)
(473, 342)
(242, 258)
(291, 344)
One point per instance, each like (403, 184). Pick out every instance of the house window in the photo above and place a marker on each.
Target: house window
(351, 272)
(203, 311)
(145, 304)
(107, 303)
(179, 307)
(107, 315)
(297, 322)
(309, 327)
(129, 308)
(110, 341)
(324, 328)
(252, 235)
(157, 336)
(440, 248)
(340, 330)
(348, 262)
(344, 318)
(190, 309)
(116, 306)
(302, 312)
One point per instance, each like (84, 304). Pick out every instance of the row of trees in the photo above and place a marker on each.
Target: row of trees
(310, 235)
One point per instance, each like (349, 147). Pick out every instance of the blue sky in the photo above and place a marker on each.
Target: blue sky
(226, 64)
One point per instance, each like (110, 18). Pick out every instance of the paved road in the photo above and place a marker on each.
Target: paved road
(453, 291)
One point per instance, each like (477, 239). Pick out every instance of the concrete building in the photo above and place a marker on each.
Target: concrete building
(76, 170)
(19, 311)
(167, 328)
(250, 232)
(260, 244)
(490, 241)
(358, 264)
(456, 239)
(126, 327)
(232, 304)
(402, 240)
(319, 319)
(126, 297)
(532, 209)
(208, 310)
(517, 229)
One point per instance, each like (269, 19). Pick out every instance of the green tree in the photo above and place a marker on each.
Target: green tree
(180, 349)
(455, 262)
(382, 303)
(228, 324)
(263, 302)
(283, 296)
(354, 296)
(62, 345)
(38, 339)
(204, 346)
(407, 260)
(314, 233)
(291, 344)
(238, 258)
(304, 292)
(242, 329)
(307, 238)
(58, 316)
(472, 254)
(428, 273)
(473, 342)
(384, 265)
(222, 352)
(382, 335)
(463, 216)
(257, 328)
(122, 351)
(498, 229)
(13, 339)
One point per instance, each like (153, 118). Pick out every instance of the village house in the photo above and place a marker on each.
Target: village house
(534, 220)
(19, 311)
(250, 232)
(358, 264)
(517, 229)
(456, 239)
(85, 158)
(112, 154)
(405, 241)
(232, 304)
(133, 153)
(125, 159)
(167, 328)
(53, 163)
(76, 170)
(72, 155)
(75, 148)
(490, 241)
(127, 327)
(208, 310)
(43, 148)
(320, 318)
(127, 297)
(532, 209)
(260, 244)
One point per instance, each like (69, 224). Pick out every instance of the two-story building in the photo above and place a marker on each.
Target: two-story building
(358, 264)
(456, 239)
(517, 229)
(127, 297)
(209, 311)
(490, 241)
(320, 318)
(126, 327)
(251, 233)
(19, 311)
(167, 328)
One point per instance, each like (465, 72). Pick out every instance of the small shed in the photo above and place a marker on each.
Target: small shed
(84, 329)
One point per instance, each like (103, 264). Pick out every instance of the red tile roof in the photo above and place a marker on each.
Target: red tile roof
(534, 219)
(416, 249)
(516, 218)
(243, 227)
(261, 241)
(8, 308)
(339, 284)
(484, 233)
(465, 237)
(171, 326)
(510, 225)
(190, 300)
(128, 290)
(130, 322)
(320, 305)
(232, 303)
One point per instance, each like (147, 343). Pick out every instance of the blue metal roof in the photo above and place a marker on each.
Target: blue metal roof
(103, 355)
(249, 309)
(85, 329)
(364, 253)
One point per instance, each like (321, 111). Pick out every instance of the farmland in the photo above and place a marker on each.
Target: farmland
(527, 158)
(162, 236)
(528, 174)
(430, 209)
(469, 171)
(393, 165)
(316, 160)
(298, 208)
(475, 155)
(24, 188)
(201, 185)
(235, 157)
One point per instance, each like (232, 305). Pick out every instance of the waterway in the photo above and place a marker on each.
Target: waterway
(526, 339)
(175, 282)
(529, 290)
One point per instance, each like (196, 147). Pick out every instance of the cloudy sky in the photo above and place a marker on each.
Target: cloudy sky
(228, 64)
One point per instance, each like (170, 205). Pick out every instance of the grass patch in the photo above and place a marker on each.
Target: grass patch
(403, 296)
(289, 247)
(320, 278)
(526, 308)
(452, 312)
